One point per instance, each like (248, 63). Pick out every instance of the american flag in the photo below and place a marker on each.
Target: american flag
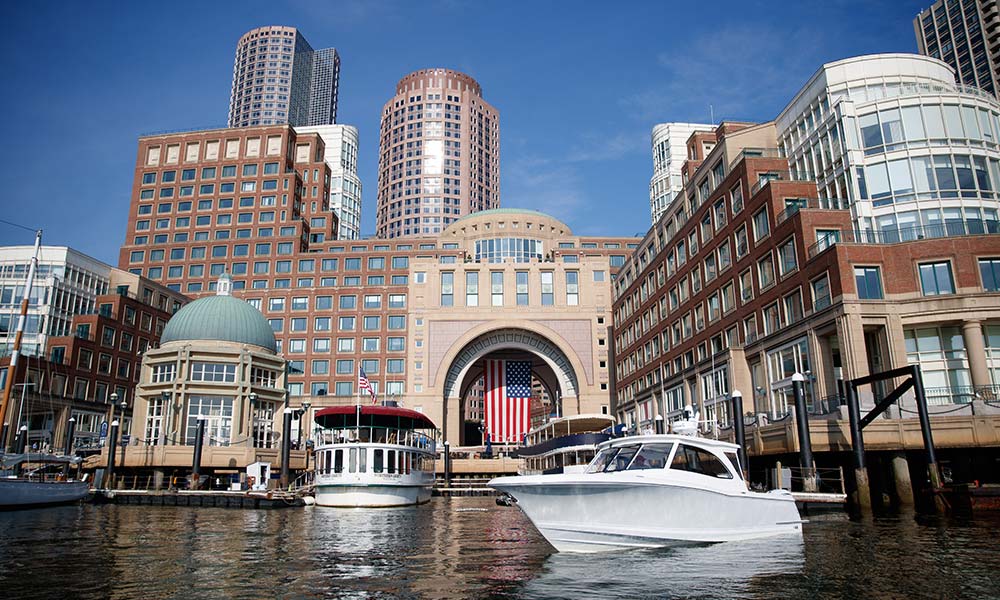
(507, 398)
(364, 384)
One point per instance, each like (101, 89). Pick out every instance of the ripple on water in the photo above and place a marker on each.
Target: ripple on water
(440, 550)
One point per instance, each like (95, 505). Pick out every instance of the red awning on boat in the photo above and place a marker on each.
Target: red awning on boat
(326, 417)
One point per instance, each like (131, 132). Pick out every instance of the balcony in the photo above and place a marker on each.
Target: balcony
(754, 153)
(794, 205)
(956, 228)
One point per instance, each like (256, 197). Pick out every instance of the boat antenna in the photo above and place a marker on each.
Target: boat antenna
(18, 335)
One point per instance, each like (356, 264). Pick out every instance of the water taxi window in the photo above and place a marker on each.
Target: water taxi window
(622, 459)
(601, 460)
(338, 461)
(362, 459)
(390, 459)
(402, 459)
(377, 467)
(354, 460)
(696, 460)
(651, 456)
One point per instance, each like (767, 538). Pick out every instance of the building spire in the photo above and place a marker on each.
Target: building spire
(224, 287)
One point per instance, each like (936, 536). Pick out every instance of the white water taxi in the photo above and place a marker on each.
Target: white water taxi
(373, 456)
(650, 491)
(565, 444)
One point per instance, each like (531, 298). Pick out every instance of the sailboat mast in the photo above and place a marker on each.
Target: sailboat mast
(18, 334)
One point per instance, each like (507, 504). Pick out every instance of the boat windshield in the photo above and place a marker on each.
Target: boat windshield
(651, 456)
(610, 460)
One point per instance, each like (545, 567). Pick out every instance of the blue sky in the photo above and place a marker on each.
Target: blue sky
(579, 86)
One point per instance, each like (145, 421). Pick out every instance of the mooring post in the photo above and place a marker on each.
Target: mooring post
(199, 440)
(70, 434)
(286, 446)
(658, 424)
(802, 422)
(112, 444)
(739, 428)
(925, 429)
(447, 464)
(864, 495)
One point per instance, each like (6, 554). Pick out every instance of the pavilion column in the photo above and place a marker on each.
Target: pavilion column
(975, 349)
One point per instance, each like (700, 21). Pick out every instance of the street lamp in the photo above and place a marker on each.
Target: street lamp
(125, 438)
(252, 397)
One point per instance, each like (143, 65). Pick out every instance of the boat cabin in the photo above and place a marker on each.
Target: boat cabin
(715, 459)
(565, 442)
(373, 439)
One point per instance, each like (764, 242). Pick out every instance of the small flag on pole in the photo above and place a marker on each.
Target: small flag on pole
(364, 384)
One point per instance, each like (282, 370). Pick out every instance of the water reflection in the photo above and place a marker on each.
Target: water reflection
(466, 548)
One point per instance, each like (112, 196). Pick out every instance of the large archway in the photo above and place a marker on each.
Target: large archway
(550, 367)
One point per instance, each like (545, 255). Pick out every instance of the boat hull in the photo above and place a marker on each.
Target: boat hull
(20, 493)
(371, 495)
(601, 515)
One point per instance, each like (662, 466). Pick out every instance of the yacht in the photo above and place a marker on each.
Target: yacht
(652, 491)
(373, 456)
(564, 444)
(26, 481)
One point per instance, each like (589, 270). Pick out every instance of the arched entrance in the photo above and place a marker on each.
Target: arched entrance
(551, 368)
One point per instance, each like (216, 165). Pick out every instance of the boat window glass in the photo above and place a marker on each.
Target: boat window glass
(651, 456)
(362, 460)
(622, 459)
(602, 459)
(338, 461)
(354, 460)
(735, 460)
(696, 460)
(401, 461)
(377, 466)
(390, 460)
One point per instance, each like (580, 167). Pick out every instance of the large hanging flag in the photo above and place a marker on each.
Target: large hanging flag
(507, 400)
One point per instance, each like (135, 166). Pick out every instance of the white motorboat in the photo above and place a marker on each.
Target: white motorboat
(651, 491)
(373, 456)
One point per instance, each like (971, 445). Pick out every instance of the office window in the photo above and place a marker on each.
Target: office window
(761, 226)
(547, 288)
(936, 279)
(345, 344)
(521, 287)
(448, 288)
(496, 287)
(989, 268)
(348, 302)
(572, 288)
(786, 252)
(869, 282)
(472, 288)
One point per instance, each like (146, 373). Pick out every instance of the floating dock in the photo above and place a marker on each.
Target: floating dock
(216, 499)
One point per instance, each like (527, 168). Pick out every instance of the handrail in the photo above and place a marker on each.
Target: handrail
(811, 203)
(899, 235)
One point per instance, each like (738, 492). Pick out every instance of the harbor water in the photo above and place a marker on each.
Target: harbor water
(467, 548)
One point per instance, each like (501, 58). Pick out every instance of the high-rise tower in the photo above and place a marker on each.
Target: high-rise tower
(966, 35)
(669, 154)
(278, 78)
(439, 154)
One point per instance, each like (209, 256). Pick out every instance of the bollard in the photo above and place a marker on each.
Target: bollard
(864, 495)
(925, 428)
(739, 428)
(112, 443)
(286, 445)
(70, 434)
(199, 440)
(447, 465)
(658, 423)
(22, 439)
(805, 444)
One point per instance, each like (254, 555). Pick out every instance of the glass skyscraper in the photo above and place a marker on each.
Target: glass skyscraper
(278, 78)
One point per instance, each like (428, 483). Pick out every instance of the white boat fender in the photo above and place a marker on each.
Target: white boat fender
(309, 500)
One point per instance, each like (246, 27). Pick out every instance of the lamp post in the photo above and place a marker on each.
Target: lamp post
(304, 424)
(112, 441)
(167, 401)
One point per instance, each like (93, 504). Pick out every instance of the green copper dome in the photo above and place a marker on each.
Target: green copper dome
(221, 318)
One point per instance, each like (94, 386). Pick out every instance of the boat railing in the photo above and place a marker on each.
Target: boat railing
(374, 435)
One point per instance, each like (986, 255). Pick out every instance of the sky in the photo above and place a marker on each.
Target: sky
(579, 86)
